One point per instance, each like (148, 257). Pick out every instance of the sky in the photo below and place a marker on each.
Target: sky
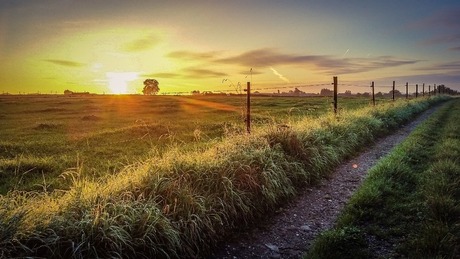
(112, 46)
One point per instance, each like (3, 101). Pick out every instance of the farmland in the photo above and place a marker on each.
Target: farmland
(185, 190)
(44, 135)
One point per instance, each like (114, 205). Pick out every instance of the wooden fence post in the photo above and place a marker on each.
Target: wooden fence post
(335, 94)
(416, 90)
(407, 90)
(393, 90)
(373, 95)
(429, 90)
(248, 108)
(423, 89)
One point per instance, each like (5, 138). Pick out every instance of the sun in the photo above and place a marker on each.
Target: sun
(118, 81)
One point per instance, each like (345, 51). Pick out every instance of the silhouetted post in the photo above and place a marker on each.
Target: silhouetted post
(335, 94)
(393, 90)
(439, 89)
(373, 95)
(248, 108)
(423, 89)
(434, 89)
(416, 90)
(429, 90)
(407, 90)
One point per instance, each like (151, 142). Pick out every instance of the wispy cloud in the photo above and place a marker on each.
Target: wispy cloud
(202, 73)
(455, 48)
(268, 57)
(191, 55)
(141, 44)
(251, 72)
(66, 63)
(163, 75)
(280, 75)
(444, 39)
(323, 63)
(446, 66)
(188, 73)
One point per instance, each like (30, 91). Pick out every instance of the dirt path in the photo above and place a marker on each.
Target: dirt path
(291, 231)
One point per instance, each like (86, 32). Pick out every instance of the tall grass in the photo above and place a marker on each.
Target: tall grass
(409, 205)
(181, 203)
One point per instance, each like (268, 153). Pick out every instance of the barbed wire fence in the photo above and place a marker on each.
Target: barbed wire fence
(384, 91)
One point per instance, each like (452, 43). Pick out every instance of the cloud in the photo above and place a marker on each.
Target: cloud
(267, 57)
(358, 65)
(188, 73)
(141, 44)
(444, 39)
(66, 63)
(326, 64)
(163, 75)
(455, 65)
(280, 75)
(251, 72)
(190, 55)
(203, 73)
(455, 48)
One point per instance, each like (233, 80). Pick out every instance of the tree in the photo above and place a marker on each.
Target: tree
(397, 92)
(326, 92)
(151, 87)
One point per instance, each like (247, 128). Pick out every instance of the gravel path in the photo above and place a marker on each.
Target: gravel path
(291, 230)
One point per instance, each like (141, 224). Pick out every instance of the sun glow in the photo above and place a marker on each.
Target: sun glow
(118, 81)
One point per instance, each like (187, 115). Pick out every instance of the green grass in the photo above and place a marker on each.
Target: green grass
(46, 135)
(410, 203)
(178, 202)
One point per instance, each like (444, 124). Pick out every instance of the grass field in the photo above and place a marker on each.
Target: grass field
(43, 136)
(179, 201)
(409, 206)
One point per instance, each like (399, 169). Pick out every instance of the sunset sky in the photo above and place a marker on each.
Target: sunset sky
(112, 46)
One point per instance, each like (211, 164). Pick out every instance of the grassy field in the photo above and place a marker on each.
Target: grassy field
(42, 136)
(180, 202)
(409, 206)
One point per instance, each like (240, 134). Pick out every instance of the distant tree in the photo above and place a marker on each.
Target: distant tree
(68, 92)
(326, 92)
(347, 92)
(379, 94)
(151, 87)
(298, 92)
(195, 92)
(397, 92)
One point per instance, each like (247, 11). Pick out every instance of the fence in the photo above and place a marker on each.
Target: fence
(441, 90)
(248, 91)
